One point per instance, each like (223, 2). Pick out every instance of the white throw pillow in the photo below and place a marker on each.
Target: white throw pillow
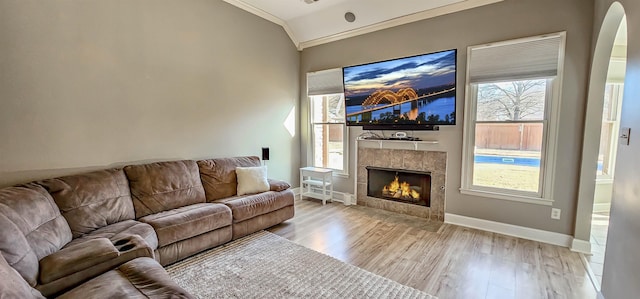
(252, 179)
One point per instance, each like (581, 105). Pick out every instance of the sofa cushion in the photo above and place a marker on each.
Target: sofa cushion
(186, 222)
(163, 186)
(12, 285)
(245, 207)
(219, 175)
(182, 249)
(32, 228)
(122, 230)
(76, 258)
(139, 278)
(252, 180)
(92, 200)
(16, 250)
(278, 185)
(252, 225)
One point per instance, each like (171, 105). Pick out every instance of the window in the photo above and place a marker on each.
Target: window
(509, 130)
(511, 119)
(328, 140)
(328, 131)
(610, 126)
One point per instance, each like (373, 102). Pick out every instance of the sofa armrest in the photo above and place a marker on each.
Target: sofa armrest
(278, 185)
(138, 278)
(66, 269)
(76, 258)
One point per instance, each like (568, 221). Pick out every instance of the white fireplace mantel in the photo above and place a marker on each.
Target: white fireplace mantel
(396, 144)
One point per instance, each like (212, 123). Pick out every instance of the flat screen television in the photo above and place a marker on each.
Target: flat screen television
(411, 93)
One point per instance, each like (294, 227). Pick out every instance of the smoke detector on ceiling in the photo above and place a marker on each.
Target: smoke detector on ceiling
(350, 17)
(310, 1)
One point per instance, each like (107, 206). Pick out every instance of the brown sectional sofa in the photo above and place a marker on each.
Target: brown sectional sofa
(78, 234)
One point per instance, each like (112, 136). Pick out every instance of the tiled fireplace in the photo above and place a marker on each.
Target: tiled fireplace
(419, 169)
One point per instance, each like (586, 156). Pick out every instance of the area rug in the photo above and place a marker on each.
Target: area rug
(264, 265)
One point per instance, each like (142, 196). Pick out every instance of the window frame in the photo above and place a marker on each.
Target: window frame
(345, 137)
(618, 93)
(544, 196)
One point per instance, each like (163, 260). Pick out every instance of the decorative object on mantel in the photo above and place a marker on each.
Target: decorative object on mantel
(400, 137)
(381, 142)
(264, 265)
(394, 136)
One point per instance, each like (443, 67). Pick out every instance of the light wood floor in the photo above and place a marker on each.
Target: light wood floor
(452, 262)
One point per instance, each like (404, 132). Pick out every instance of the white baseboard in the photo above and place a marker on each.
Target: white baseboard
(345, 198)
(338, 196)
(510, 230)
(581, 246)
(601, 207)
(296, 191)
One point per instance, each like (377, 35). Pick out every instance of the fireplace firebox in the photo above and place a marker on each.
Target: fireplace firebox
(408, 186)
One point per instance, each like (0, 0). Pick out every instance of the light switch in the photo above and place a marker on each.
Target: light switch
(624, 136)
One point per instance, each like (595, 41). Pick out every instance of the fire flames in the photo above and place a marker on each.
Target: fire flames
(399, 190)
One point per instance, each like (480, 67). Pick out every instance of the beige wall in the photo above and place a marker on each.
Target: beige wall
(92, 84)
(502, 21)
(621, 266)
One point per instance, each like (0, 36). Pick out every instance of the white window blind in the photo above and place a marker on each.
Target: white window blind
(537, 58)
(324, 82)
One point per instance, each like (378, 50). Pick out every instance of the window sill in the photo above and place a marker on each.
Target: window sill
(509, 197)
(604, 180)
(341, 175)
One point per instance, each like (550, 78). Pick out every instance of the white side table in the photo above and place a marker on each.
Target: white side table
(311, 177)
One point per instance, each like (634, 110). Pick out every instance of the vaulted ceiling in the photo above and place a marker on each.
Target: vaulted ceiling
(314, 22)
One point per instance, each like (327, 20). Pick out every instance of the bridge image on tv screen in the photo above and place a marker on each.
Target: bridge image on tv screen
(417, 90)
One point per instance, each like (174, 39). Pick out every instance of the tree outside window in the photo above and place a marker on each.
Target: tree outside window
(511, 100)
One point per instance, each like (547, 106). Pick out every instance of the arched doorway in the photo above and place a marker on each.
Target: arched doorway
(601, 125)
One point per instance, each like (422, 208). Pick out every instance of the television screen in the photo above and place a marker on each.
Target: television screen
(413, 93)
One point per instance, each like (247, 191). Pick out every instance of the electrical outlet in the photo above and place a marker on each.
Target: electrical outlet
(555, 213)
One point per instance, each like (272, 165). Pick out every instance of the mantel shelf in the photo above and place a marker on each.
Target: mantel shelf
(415, 143)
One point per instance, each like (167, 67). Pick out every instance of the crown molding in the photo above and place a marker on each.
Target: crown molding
(267, 16)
